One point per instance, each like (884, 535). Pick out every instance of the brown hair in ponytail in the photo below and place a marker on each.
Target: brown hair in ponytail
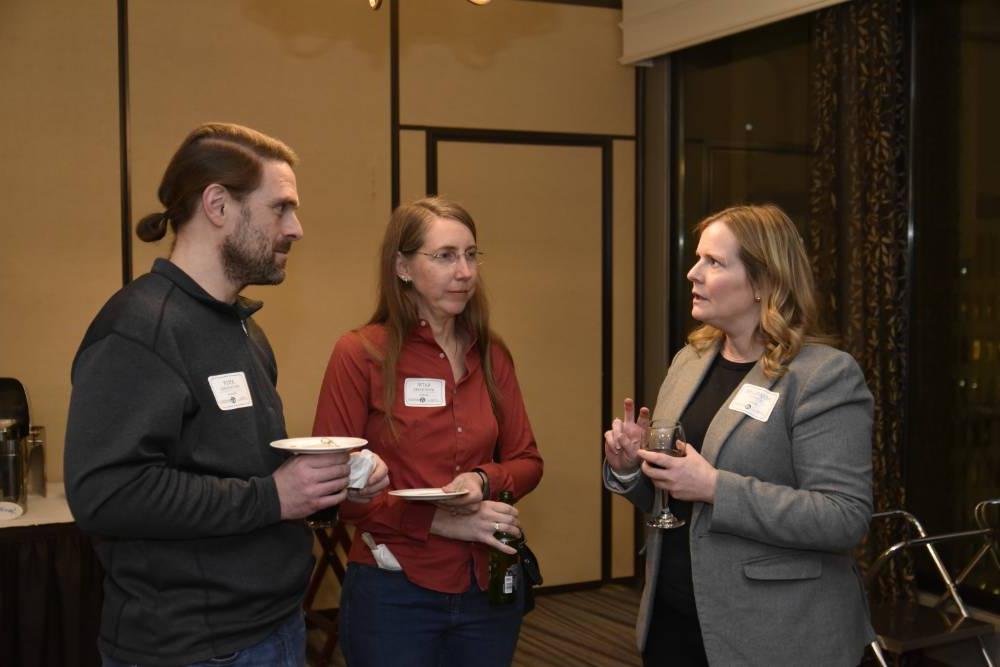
(224, 153)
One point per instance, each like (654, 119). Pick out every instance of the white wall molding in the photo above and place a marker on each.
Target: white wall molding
(654, 27)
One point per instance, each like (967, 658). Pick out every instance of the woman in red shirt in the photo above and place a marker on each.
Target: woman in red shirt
(434, 392)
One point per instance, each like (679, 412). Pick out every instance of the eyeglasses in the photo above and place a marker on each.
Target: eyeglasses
(451, 257)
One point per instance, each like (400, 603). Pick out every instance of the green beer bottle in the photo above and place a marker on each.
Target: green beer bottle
(505, 575)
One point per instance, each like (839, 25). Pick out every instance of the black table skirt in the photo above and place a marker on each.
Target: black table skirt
(50, 597)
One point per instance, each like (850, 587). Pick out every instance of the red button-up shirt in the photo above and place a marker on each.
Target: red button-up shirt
(434, 445)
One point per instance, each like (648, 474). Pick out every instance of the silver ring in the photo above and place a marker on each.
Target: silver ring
(496, 525)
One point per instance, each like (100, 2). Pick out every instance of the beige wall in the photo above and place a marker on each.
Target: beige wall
(623, 337)
(543, 276)
(513, 66)
(316, 74)
(59, 177)
(538, 67)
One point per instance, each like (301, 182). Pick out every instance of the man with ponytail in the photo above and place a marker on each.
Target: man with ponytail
(197, 521)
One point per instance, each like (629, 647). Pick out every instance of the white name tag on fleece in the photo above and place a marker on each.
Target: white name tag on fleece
(755, 402)
(231, 390)
(423, 392)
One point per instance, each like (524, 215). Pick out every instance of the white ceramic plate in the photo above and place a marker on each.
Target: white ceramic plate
(323, 445)
(427, 494)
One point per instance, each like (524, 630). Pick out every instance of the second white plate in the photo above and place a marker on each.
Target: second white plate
(323, 445)
(426, 494)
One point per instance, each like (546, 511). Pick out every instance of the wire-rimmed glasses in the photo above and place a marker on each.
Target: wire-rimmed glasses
(451, 256)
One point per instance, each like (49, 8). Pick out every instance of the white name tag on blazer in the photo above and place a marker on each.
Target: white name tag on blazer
(423, 392)
(755, 402)
(231, 390)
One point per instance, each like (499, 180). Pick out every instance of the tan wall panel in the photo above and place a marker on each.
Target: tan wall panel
(412, 165)
(538, 209)
(315, 74)
(514, 65)
(59, 169)
(623, 337)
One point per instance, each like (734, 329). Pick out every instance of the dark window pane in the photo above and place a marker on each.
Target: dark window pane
(742, 132)
(953, 445)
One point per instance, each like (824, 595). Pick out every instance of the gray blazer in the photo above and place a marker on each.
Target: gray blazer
(774, 582)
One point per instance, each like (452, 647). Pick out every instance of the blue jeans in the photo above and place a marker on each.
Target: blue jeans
(285, 647)
(385, 621)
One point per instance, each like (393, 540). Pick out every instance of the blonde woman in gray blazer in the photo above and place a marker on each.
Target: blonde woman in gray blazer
(776, 484)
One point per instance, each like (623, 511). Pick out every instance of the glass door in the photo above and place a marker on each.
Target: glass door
(741, 135)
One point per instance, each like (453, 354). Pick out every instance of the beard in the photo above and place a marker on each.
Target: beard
(248, 255)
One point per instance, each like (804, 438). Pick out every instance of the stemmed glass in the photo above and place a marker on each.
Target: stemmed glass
(665, 439)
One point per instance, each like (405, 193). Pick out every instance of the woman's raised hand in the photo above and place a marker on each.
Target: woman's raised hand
(623, 441)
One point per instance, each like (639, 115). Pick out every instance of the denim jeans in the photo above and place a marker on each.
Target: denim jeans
(385, 621)
(285, 647)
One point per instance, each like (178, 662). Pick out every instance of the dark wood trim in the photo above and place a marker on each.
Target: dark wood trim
(781, 149)
(124, 144)
(501, 136)
(639, 374)
(607, 4)
(638, 535)
(586, 585)
(624, 581)
(677, 233)
(394, 97)
(569, 588)
(430, 168)
(607, 339)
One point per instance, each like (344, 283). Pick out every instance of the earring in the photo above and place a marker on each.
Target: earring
(756, 298)
(405, 279)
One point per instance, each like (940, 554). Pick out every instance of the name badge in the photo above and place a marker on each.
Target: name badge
(423, 392)
(755, 402)
(231, 390)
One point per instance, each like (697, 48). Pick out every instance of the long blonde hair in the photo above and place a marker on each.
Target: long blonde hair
(777, 266)
(396, 307)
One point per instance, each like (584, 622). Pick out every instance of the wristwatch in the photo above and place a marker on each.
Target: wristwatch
(486, 482)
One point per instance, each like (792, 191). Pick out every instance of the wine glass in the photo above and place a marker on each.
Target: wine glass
(665, 439)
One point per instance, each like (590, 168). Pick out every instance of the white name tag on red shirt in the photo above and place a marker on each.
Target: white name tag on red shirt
(231, 390)
(423, 392)
(754, 401)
